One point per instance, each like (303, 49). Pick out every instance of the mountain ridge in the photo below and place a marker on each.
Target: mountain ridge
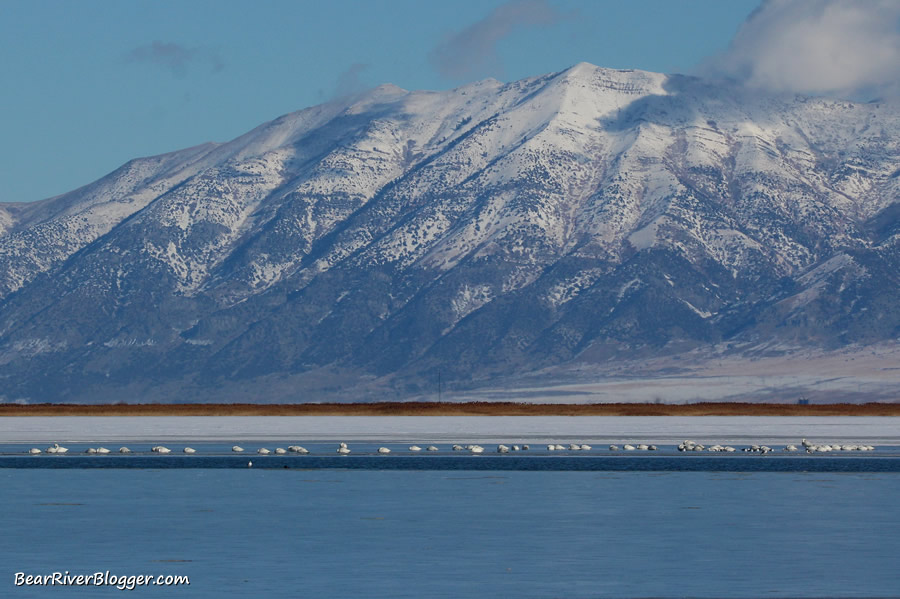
(485, 231)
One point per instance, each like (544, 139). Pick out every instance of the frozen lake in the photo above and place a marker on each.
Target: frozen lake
(876, 430)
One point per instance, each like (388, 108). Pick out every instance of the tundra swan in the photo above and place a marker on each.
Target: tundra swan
(263, 451)
(102, 450)
(431, 448)
(628, 447)
(415, 448)
(280, 450)
(384, 450)
(237, 448)
(502, 448)
(343, 450)
(190, 450)
(34, 450)
(124, 450)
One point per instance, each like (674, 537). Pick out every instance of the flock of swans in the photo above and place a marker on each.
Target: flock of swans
(343, 449)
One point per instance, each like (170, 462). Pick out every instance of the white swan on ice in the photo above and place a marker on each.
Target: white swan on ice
(34, 450)
(280, 450)
(124, 450)
(263, 451)
(55, 448)
(384, 450)
(415, 448)
(190, 450)
(237, 448)
(431, 448)
(343, 450)
(102, 450)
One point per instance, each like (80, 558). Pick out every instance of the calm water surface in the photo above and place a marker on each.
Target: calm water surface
(456, 534)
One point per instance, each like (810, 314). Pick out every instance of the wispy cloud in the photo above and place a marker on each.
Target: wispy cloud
(349, 82)
(849, 48)
(176, 57)
(472, 52)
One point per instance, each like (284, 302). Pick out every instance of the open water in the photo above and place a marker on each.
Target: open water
(455, 526)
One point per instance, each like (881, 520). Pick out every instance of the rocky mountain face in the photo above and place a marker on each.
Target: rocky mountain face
(359, 249)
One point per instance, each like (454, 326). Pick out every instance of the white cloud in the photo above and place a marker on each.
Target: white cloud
(849, 48)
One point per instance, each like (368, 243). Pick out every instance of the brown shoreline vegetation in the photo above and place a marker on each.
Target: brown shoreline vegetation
(454, 409)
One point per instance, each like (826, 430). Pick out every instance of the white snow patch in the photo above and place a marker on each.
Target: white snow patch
(132, 342)
(470, 298)
(646, 237)
(699, 312)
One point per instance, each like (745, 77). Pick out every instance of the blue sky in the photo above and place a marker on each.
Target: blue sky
(88, 85)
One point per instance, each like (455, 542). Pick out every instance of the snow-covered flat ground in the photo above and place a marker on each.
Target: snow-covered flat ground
(423, 429)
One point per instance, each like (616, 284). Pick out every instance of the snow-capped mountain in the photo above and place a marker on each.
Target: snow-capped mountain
(486, 231)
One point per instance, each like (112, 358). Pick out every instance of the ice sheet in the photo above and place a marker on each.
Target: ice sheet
(423, 429)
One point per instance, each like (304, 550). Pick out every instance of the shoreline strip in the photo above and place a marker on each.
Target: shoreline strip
(453, 409)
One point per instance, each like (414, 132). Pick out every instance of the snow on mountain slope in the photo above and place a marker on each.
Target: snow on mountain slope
(485, 230)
